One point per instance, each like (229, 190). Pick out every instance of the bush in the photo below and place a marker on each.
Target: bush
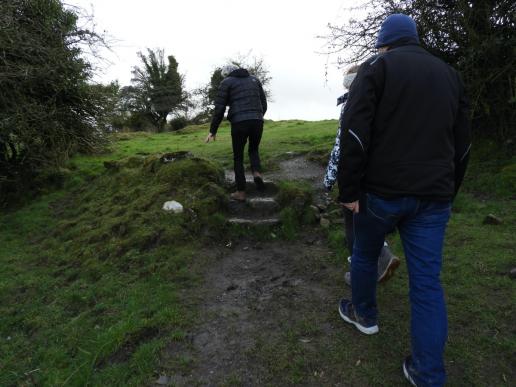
(48, 111)
(178, 123)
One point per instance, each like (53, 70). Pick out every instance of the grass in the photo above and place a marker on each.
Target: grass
(90, 278)
(480, 300)
(279, 136)
(92, 275)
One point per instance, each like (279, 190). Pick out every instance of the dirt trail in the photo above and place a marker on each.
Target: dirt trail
(253, 294)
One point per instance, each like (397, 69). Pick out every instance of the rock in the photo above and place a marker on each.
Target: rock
(173, 156)
(173, 206)
(492, 219)
(335, 213)
(273, 221)
(512, 273)
(325, 223)
(315, 208)
(264, 205)
(311, 240)
(315, 212)
(322, 207)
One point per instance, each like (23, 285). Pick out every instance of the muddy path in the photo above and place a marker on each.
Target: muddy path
(253, 294)
(262, 300)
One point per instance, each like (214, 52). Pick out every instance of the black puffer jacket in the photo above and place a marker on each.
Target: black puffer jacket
(245, 96)
(406, 128)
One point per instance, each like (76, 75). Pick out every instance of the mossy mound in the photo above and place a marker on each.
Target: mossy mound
(118, 217)
(295, 194)
(295, 198)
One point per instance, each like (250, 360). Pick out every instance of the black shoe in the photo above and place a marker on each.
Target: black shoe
(260, 185)
(348, 314)
(408, 371)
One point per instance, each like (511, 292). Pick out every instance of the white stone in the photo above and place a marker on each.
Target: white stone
(173, 206)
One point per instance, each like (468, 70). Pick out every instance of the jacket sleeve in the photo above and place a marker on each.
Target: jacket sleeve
(356, 128)
(331, 170)
(462, 134)
(263, 98)
(221, 101)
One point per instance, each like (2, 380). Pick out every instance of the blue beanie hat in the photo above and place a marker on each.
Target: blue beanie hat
(395, 27)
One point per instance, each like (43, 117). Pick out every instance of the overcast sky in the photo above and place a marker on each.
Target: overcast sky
(204, 34)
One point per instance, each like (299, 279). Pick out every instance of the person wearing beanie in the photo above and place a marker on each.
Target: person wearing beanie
(397, 29)
(405, 143)
(247, 105)
(387, 262)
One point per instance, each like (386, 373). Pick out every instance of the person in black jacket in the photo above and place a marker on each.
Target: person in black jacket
(405, 142)
(387, 262)
(247, 105)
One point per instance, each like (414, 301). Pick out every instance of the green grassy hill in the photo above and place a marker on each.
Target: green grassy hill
(92, 272)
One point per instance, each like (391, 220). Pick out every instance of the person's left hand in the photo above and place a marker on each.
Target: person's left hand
(353, 206)
(210, 137)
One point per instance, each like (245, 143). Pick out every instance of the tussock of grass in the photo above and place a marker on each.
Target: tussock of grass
(295, 198)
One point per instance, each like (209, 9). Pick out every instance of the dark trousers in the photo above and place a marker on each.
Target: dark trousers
(240, 132)
(348, 225)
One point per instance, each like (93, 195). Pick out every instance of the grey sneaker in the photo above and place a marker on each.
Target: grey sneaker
(347, 278)
(387, 265)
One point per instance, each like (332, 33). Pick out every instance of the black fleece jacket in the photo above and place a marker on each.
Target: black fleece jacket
(245, 96)
(406, 129)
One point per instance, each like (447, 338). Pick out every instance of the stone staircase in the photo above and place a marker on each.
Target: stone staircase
(260, 207)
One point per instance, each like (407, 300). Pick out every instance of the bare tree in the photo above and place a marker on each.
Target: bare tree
(476, 37)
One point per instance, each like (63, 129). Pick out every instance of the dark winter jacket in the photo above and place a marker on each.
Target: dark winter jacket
(245, 96)
(406, 129)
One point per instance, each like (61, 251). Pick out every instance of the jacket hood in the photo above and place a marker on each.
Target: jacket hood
(239, 73)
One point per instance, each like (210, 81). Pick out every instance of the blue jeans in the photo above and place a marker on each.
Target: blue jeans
(422, 225)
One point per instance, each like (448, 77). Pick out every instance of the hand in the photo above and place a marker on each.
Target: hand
(353, 206)
(210, 137)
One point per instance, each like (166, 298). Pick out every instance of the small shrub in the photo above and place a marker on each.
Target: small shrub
(178, 123)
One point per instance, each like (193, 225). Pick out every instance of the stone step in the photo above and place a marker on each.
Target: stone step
(254, 206)
(254, 222)
(264, 204)
(270, 187)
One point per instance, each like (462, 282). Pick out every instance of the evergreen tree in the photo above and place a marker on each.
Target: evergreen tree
(157, 88)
